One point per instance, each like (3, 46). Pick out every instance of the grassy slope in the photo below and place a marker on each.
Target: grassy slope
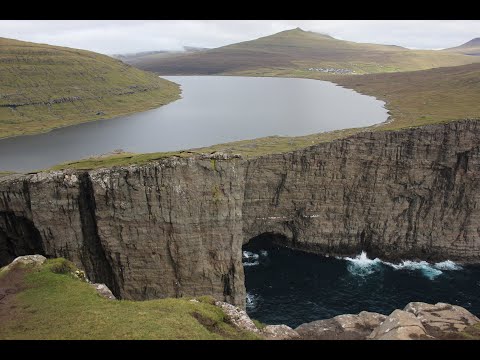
(59, 306)
(43, 87)
(413, 98)
(296, 51)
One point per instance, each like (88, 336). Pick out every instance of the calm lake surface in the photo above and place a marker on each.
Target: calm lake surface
(213, 109)
(291, 287)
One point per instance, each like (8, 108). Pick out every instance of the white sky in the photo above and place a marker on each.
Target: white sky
(124, 36)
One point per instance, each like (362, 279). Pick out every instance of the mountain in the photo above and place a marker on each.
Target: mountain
(471, 47)
(298, 52)
(44, 87)
(134, 58)
(139, 54)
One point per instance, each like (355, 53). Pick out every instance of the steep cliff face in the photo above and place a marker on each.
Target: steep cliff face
(402, 194)
(176, 227)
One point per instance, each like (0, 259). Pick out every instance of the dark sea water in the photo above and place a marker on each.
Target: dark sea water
(213, 110)
(291, 287)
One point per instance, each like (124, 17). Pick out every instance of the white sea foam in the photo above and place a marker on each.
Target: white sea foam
(250, 255)
(427, 269)
(448, 265)
(361, 265)
(251, 301)
(264, 253)
(255, 263)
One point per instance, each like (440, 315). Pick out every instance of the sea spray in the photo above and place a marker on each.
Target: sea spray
(361, 265)
(250, 255)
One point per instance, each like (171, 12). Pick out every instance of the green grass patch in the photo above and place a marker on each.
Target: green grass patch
(45, 87)
(59, 306)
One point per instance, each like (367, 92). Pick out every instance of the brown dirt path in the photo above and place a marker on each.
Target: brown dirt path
(11, 283)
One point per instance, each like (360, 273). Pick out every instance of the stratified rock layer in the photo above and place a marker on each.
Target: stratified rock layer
(176, 227)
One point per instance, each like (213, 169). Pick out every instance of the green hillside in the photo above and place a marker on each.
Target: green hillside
(43, 87)
(301, 52)
(50, 303)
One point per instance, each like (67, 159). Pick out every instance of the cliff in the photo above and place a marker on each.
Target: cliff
(176, 227)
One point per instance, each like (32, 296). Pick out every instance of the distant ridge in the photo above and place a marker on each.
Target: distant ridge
(297, 52)
(471, 47)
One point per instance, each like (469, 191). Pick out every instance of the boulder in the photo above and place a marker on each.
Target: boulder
(341, 327)
(400, 325)
(279, 332)
(104, 291)
(27, 260)
(441, 319)
(237, 317)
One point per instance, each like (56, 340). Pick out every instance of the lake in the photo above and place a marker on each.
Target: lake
(213, 109)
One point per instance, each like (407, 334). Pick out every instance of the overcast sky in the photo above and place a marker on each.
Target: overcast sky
(124, 36)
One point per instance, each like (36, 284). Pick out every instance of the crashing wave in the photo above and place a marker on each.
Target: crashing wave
(361, 265)
(250, 255)
(426, 269)
(251, 301)
(448, 265)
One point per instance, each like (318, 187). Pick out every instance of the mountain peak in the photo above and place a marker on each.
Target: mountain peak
(300, 32)
(472, 43)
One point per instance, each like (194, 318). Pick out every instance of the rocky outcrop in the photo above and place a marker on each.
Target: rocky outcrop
(400, 325)
(103, 291)
(27, 260)
(240, 319)
(279, 332)
(418, 321)
(342, 327)
(442, 319)
(237, 317)
(175, 227)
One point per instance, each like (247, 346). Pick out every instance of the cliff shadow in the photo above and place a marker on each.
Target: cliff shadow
(18, 237)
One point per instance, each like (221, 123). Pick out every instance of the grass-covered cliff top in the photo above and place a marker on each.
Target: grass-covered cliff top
(51, 303)
(43, 87)
(413, 99)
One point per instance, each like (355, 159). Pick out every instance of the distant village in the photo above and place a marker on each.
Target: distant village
(333, 71)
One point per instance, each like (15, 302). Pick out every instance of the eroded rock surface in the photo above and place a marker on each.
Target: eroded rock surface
(279, 332)
(28, 260)
(342, 327)
(104, 291)
(175, 227)
(441, 319)
(237, 317)
(418, 321)
(399, 325)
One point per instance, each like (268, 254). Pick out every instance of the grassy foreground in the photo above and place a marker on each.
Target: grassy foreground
(413, 99)
(44, 87)
(55, 305)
